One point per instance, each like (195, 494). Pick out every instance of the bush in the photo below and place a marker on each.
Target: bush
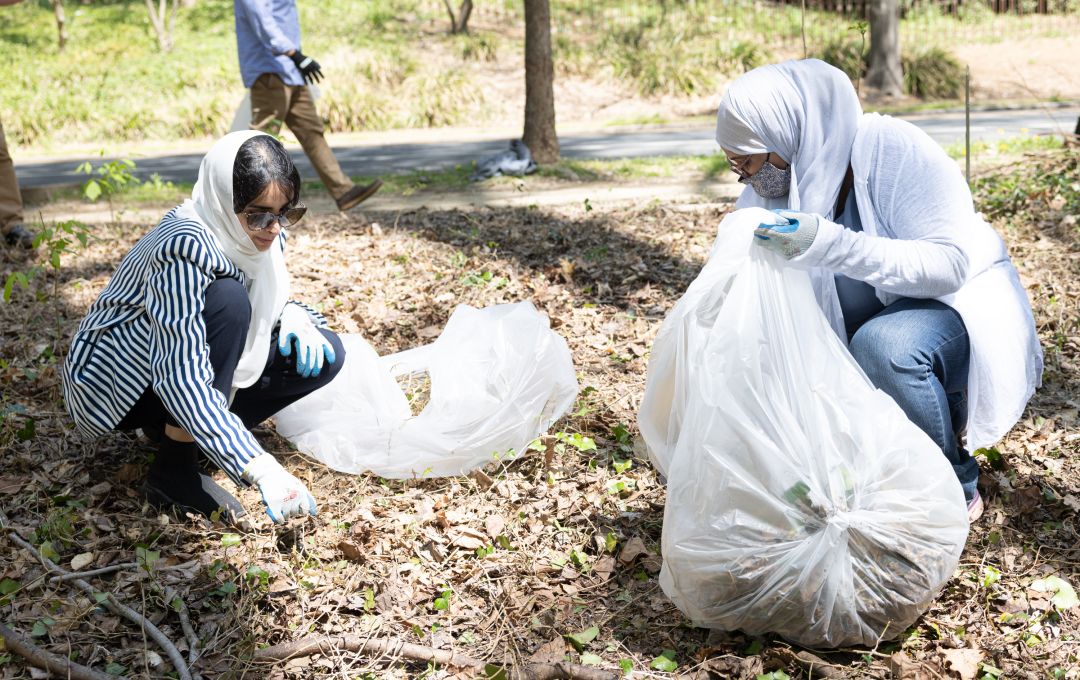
(932, 73)
(847, 55)
(929, 72)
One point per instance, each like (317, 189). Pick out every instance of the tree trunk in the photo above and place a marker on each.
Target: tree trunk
(162, 20)
(539, 134)
(460, 23)
(61, 23)
(884, 74)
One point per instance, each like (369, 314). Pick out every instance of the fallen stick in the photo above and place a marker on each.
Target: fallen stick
(54, 663)
(111, 568)
(110, 602)
(185, 623)
(354, 643)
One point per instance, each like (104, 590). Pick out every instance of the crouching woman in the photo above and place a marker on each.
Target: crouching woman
(195, 340)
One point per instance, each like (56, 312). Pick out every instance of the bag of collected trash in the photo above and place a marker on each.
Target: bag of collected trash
(516, 161)
(499, 377)
(801, 500)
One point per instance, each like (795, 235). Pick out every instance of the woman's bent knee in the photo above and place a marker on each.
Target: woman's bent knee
(227, 299)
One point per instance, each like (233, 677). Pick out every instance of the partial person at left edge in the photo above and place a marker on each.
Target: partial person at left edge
(194, 340)
(11, 206)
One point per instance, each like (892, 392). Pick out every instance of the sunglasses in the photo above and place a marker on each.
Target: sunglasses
(259, 221)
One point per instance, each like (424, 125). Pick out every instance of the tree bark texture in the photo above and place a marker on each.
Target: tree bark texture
(884, 74)
(540, 134)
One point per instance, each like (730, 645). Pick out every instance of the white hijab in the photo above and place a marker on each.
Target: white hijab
(806, 112)
(211, 204)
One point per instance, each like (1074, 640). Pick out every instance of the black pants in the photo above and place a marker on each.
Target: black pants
(226, 314)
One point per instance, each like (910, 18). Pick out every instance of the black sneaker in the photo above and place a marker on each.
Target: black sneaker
(174, 480)
(19, 237)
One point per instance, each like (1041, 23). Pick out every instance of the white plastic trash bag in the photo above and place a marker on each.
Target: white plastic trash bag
(801, 500)
(499, 378)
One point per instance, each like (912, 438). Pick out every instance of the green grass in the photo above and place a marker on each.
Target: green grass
(1006, 148)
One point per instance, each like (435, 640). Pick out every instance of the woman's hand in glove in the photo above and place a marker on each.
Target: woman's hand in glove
(285, 496)
(791, 239)
(312, 347)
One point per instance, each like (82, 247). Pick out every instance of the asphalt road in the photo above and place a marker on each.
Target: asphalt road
(396, 158)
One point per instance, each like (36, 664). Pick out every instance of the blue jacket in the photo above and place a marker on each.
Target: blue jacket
(265, 31)
(147, 329)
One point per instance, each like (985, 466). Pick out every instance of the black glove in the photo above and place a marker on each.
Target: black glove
(309, 68)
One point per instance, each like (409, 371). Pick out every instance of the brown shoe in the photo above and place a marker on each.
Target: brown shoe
(357, 195)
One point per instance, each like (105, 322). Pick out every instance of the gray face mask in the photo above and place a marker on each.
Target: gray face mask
(770, 181)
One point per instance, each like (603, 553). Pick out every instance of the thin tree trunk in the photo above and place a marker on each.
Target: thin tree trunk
(162, 21)
(459, 23)
(61, 23)
(884, 74)
(540, 134)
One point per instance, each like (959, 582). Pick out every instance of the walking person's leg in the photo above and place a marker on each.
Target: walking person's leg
(175, 477)
(304, 121)
(269, 103)
(917, 352)
(11, 206)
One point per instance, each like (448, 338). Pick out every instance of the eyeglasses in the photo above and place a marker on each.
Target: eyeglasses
(259, 221)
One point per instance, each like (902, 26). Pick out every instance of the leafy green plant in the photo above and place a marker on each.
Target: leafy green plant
(442, 600)
(665, 661)
(58, 239)
(108, 179)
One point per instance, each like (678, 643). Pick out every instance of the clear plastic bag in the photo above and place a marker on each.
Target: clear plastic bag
(499, 377)
(801, 500)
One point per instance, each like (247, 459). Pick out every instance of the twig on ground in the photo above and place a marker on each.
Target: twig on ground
(322, 644)
(815, 666)
(185, 623)
(110, 602)
(111, 568)
(54, 663)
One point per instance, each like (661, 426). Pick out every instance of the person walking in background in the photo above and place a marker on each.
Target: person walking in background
(278, 75)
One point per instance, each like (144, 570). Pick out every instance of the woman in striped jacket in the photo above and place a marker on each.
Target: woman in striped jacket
(195, 339)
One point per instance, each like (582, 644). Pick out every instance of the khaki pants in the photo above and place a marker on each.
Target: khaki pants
(11, 207)
(273, 103)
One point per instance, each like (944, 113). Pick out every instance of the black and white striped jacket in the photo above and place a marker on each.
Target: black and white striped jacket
(146, 329)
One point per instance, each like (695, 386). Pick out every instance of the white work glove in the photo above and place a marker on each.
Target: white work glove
(312, 347)
(285, 496)
(791, 239)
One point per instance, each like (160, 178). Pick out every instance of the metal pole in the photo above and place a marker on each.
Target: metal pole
(967, 124)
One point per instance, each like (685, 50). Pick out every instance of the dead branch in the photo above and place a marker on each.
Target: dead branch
(54, 663)
(354, 643)
(185, 623)
(113, 567)
(111, 603)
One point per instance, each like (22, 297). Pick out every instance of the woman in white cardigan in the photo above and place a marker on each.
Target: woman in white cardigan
(910, 275)
(194, 340)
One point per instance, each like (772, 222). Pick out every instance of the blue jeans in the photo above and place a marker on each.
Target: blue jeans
(917, 352)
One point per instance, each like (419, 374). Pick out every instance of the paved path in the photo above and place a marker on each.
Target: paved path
(373, 159)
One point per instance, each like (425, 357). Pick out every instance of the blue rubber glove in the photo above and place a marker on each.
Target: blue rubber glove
(312, 347)
(788, 240)
(285, 496)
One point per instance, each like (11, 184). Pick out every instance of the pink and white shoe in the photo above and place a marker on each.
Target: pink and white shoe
(975, 507)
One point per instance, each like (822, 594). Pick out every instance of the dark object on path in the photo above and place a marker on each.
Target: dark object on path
(517, 161)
